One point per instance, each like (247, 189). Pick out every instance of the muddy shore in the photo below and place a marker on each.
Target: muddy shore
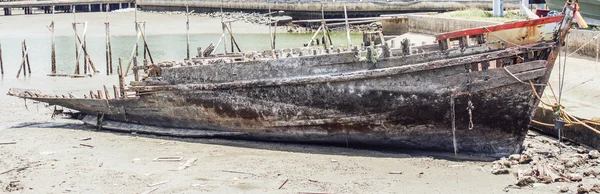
(45, 155)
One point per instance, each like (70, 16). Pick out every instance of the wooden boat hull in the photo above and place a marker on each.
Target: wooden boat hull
(409, 110)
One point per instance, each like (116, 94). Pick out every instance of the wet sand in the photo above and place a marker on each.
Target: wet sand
(48, 157)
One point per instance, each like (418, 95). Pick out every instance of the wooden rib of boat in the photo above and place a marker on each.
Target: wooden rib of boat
(471, 93)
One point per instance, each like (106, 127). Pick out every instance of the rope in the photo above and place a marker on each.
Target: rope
(594, 38)
(569, 119)
(513, 75)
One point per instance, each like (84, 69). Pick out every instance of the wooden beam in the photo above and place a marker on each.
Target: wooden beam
(499, 27)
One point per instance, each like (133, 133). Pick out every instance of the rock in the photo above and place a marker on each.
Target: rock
(595, 188)
(582, 150)
(564, 189)
(581, 189)
(514, 157)
(544, 179)
(500, 171)
(505, 163)
(594, 154)
(13, 186)
(525, 158)
(591, 172)
(570, 164)
(525, 181)
(575, 177)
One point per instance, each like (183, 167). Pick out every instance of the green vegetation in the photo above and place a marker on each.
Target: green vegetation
(479, 14)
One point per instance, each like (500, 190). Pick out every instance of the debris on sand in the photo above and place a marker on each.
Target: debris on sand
(546, 161)
(13, 186)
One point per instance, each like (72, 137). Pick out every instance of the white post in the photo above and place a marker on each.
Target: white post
(498, 8)
(347, 28)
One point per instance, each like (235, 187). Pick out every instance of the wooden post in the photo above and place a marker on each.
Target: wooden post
(76, 48)
(187, 30)
(100, 96)
(325, 28)
(233, 41)
(121, 78)
(108, 50)
(116, 93)
(92, 94)
(1, 63)
(223, 29)
(136, 75)
(85, 61)
(275, 35)
(24, 64)
(106, 93)
(145, 45)
(270, 31)
(53, 52)
(347, 28)
(230, 29)
(27, 58)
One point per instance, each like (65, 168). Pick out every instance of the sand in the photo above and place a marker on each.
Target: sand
(48, 157)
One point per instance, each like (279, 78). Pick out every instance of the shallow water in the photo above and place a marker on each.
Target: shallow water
(166, 39)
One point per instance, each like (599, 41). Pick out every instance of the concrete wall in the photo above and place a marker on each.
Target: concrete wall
(303, 10)
(435, 25)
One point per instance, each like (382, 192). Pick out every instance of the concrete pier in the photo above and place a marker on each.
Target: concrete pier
(312, 10)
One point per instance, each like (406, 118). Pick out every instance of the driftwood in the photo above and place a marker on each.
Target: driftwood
(187, 164)
(156, 184)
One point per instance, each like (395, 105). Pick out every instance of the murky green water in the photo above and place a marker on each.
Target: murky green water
(162, 47)
(166, 38)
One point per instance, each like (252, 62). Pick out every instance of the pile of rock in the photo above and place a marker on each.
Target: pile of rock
(544, 160)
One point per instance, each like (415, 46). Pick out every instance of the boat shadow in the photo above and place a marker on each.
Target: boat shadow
(308, 148)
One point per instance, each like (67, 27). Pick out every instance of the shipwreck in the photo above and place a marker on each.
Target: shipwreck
(474, 91)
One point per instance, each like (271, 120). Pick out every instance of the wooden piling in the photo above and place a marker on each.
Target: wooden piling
(1, 63)
(76, 47)
(53, 52)
(146, 47)
(223, 30)
(275, 35)
(270, 31)
(121, 79)
(24, 64)
(187, 30)
(100, 96)
(91, 94)
(108, 49)
(106, 93)
(116, 92)
(233, 41)
(85, 61)
(136, 75)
